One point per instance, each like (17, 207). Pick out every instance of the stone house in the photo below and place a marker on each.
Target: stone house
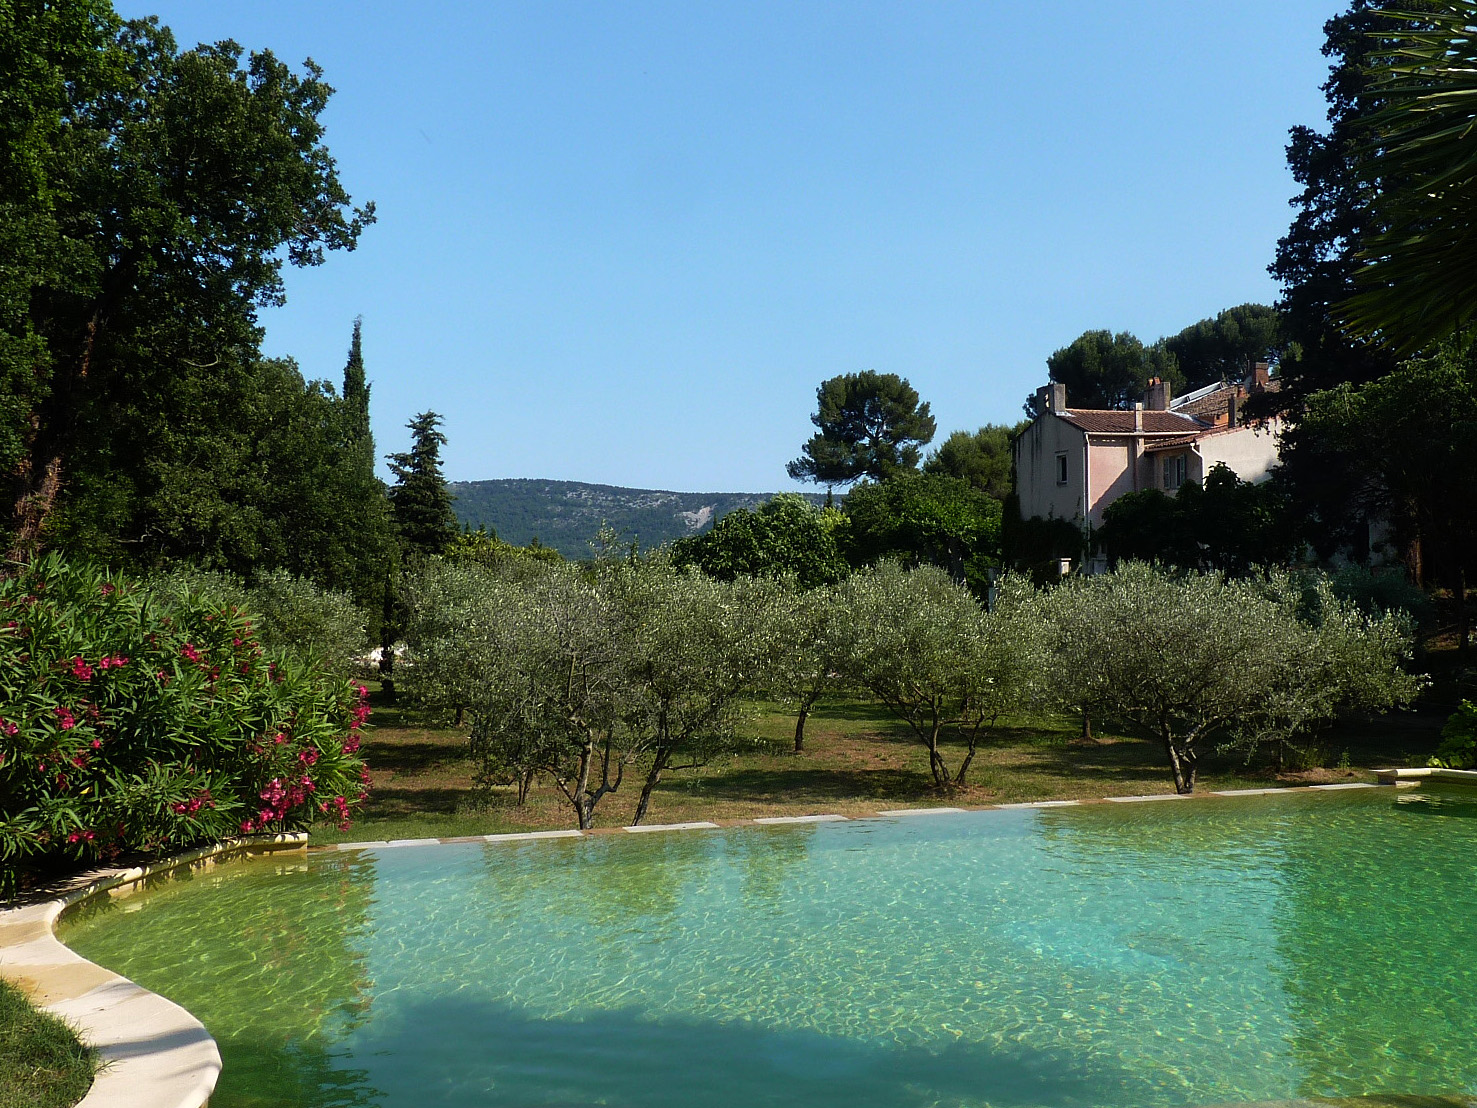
(1071, 463)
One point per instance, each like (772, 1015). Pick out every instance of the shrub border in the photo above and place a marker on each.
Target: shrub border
(152, 1053)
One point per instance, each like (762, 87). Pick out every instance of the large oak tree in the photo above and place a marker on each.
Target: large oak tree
(150, 198)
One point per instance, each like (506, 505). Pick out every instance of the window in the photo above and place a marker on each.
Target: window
(1061, 469)
(1174, 471)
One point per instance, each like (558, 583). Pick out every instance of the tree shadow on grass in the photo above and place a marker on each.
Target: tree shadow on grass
(1076, 761)
(463, 1052)
(806, 783)
(393, 803)
(415, 757)
(855, 709)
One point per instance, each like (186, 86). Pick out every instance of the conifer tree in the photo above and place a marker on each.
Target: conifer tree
(364, 493)
(356, 394)
(419, 497)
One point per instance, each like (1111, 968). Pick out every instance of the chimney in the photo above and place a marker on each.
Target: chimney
(1261, 376)
(1231, 410)
(1158, 395)
(1051, 398)
(1138, 418)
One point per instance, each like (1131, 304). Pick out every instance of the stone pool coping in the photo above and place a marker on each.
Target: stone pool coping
(1426, 773)
(886, 813)
(153, 1053)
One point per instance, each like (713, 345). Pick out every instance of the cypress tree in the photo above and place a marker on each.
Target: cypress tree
(363, 494)
(356, 394)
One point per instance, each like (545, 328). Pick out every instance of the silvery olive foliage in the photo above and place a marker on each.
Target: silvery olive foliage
(1191, 659)
(813, 629)
(580, 673)
(585, 674)
(923, 646)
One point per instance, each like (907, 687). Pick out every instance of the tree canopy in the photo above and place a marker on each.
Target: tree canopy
(123, 272)
(1228, 345)
(1194, 658)
(1106, 370)
(1316, 259)
(783, 537)
(983, 458)
(870, 425)
(1410, 439)
(925, 519)
(419, 498)
(1230, 525)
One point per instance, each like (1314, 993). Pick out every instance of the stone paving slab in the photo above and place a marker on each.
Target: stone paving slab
(921, 811)
(800, 819)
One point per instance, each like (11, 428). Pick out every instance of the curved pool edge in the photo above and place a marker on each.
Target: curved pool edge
(153, 1053)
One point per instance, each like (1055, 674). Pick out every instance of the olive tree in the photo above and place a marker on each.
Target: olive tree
(1190, 659)
(536, 658)
(923, 646)
(692, 651)
(580, 673)
(815, 633)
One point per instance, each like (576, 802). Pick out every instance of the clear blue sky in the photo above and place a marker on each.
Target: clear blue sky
(624, 242)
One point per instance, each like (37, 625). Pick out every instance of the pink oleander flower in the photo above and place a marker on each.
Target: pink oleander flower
(65, 718)
(8, 729)
(189, 651)
(81, 670)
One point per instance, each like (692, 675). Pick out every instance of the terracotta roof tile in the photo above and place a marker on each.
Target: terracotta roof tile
(1100, 422)
(1179, 442)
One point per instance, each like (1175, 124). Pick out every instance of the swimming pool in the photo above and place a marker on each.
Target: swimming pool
(1198, 951)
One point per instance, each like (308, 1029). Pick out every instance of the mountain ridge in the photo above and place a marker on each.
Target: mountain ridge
(567, 515)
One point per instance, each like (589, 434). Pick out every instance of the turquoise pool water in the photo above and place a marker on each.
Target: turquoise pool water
(1188, 953)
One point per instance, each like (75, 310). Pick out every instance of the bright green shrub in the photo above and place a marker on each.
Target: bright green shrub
(1459, 739)
(130, 723)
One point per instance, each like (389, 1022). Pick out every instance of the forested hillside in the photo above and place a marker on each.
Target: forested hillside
(567, 515)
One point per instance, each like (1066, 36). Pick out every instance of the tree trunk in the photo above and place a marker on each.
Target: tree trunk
(1087, 727)
(461, 713)
(968, 758)
(659, 763)
(35, 497)
(936, 760)
(800, 718)
(1182, 763)
(525, 782)
(584, 803)
(1463, 621)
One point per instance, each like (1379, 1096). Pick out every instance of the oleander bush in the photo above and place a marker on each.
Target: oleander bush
(291, 614)
(133, 722)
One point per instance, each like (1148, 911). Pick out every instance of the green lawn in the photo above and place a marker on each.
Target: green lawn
(42, 1065)
(858, 759)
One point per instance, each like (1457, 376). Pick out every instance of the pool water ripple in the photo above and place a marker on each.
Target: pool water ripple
(1203, 952)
